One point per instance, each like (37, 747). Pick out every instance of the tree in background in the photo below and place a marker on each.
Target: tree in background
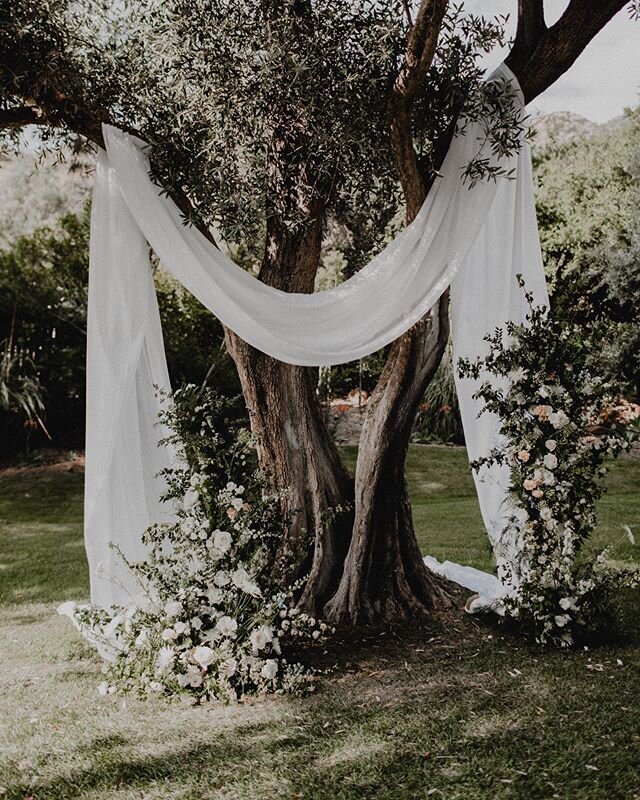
(43, 314)
(588, 203)
(268, 120)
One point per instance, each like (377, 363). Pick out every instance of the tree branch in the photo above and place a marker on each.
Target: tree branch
(531, 24)
(21, 116)
(540, 55)
(421, 48)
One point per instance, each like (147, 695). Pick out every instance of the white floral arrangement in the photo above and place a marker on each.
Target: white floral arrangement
(543, 382)
(213, 622)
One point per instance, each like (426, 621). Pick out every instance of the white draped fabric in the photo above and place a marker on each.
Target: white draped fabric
(474, 239)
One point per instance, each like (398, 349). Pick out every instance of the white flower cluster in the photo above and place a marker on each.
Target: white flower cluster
(213, 623)
(548, 412)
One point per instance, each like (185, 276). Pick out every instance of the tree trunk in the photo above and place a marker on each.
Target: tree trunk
(384, 577)
(294, 445)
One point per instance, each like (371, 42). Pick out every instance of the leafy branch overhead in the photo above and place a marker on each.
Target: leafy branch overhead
(216, 87)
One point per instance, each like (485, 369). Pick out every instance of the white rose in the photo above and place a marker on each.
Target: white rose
(558, 419)
(545, 513)
(270, 669)
(196, 623)
(550, 461)
(562, 619)
(260, 637)
(168, 634)
(204, 656)
(173, 608)
(227, 626)
(551, 445)
(222, 541)
(567, 603)
(181, 627)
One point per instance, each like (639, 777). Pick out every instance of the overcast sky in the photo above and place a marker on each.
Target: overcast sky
(604, 79)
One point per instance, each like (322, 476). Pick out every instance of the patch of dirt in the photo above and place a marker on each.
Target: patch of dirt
(49, 460)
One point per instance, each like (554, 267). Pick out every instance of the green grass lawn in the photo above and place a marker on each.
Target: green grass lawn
(459, 709)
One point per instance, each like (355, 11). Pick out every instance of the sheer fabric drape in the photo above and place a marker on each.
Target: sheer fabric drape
(474, 239)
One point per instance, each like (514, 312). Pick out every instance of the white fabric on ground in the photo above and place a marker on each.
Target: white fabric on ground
(476, 239)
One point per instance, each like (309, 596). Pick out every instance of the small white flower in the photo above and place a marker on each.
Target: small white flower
(196, 623)
(193, 677)
(551, 445)
(568, 603)
(204, 656)
(550, 461)
(169, 634)
(214, 595)
(562, 619)
(227, 626)
(180, 628)
(270, 669)
(229, 667)
(155, 686)
(545, 513)
(221, 578)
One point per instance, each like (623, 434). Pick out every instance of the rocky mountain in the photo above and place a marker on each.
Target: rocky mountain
(562, 127)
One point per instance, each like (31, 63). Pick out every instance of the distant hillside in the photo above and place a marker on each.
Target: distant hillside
(35, 192)
(562, 127)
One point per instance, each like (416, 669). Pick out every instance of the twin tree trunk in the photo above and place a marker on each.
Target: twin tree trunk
(354, 541)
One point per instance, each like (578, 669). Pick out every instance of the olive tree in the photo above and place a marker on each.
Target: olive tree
(268, 121)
